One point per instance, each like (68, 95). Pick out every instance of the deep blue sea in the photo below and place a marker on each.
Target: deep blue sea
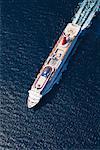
(67, 118)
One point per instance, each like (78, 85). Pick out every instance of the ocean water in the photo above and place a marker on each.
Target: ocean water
(67, 118)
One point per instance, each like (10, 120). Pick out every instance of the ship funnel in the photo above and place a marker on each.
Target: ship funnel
(64, 41)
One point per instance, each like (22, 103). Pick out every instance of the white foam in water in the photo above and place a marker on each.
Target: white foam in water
(77, 15)
(86, 12)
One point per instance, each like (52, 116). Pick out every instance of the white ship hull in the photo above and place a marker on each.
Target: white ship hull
(52, 69)
(58, 74)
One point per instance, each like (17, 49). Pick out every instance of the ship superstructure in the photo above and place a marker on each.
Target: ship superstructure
(52, 68)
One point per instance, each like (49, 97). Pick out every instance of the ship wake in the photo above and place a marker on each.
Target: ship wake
(86, 12)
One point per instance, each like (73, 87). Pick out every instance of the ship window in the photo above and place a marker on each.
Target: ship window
(46, 72)
(49, 60)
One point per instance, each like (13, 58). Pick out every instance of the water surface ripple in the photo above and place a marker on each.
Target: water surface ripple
(68, 118)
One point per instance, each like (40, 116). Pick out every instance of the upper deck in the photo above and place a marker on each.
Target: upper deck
(56, 56)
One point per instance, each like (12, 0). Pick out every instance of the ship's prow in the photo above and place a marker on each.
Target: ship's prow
(33, 98)
(31, 104)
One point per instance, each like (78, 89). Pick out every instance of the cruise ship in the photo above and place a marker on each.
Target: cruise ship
(52, 68)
